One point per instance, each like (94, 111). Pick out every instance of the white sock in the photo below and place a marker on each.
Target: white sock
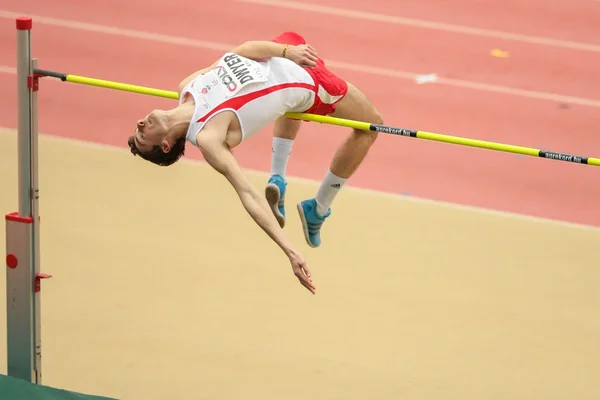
(329, 188)
(282, 148)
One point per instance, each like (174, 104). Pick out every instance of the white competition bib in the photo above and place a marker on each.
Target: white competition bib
(235, 72)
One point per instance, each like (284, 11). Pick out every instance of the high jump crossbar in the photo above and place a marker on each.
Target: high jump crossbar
(342, 122)
(22, 228)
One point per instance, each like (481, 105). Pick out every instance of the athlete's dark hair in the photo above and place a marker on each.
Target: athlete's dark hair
(157, 156)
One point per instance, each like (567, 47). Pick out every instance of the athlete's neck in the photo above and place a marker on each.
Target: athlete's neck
(178, 119)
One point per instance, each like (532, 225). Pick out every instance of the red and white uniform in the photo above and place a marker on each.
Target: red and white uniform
(261, 92)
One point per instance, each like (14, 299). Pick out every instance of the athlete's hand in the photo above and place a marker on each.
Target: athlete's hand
(301, 271)
(304, 55)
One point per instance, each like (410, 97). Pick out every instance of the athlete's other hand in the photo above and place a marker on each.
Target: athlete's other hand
(304, 55)
(301, 271)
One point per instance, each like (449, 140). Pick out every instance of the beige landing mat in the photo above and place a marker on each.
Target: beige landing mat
(164, 288)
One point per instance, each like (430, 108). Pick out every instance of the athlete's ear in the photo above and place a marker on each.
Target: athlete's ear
(166, 146)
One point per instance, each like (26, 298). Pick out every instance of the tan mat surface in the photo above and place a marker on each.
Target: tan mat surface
(163, 288)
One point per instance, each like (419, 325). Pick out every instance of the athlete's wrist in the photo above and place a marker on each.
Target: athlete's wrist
(290, 252)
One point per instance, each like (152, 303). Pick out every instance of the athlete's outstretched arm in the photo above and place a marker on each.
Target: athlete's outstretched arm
(304, 55)
(212, 145)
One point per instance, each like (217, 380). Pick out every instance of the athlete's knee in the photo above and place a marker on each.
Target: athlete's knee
(369, 136)
(377, 118)
(374, 118)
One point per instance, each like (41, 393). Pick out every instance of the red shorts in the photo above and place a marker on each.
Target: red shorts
(331, 88)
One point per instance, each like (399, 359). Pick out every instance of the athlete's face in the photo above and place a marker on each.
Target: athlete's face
(151, 131)
(152, 140)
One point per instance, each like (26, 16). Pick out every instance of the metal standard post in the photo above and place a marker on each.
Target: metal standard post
(24, 102)
(35, 213)
(22, 246)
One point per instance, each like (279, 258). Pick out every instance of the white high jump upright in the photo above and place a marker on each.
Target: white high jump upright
(23, 228)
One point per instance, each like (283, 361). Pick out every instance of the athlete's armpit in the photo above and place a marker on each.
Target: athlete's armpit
(191, 77)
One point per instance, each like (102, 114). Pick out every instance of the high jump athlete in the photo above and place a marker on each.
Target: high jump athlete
(242, 92)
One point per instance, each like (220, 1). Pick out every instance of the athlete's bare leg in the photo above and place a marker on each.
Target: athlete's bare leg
(286, 128)
(346, 160)
(284, 134)
(352, 152)
(355, 106)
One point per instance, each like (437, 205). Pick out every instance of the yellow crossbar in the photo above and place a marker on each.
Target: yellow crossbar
(526, 151)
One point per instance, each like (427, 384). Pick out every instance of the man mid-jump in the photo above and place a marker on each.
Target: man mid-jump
(241, 93)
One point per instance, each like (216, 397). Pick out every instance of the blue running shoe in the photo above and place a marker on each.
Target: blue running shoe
(275, 194)
(311, 221)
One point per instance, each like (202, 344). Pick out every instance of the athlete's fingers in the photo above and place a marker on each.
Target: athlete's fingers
(309, 63)
(311, 55)
(308, 285)
(302, 272)
(306, 271)
(311, 285)
(311, 52)
(304, 277)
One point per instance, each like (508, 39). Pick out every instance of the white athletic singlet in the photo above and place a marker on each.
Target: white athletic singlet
(257, 92)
